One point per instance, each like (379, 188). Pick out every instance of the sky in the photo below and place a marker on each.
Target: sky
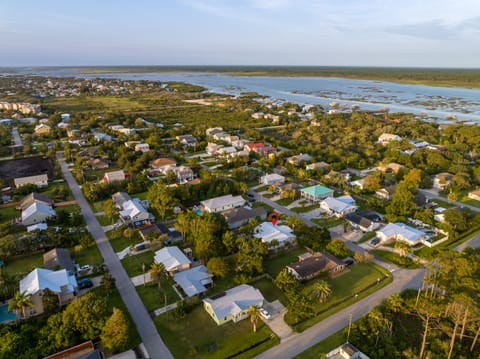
(406, 33)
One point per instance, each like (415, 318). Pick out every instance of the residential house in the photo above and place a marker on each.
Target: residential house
(126, 131)
(59, 282)
(119, 198)
(390, 168)
(37, 212)
(366, 220)
(114, 176)
(187, 140)
(386, 138)
(324, 166)
(227, 151)
(163, 165)
(474, 195)
(311, 265)
(271, 179)
(221, 136)
(142, 147)
(360, 184)
(173, 259)
(442, 180)
(269, 232)
(59, 258)
(160, 229)
(299, 159)
(134, 214)
(260, 148)
(401, 232)
(439, 214)
(346, 351)
(233, 304)
(289, 187)
(213, 130)
(194, 281)
(98, 164)
(98, 136)
(42, 129)
(222, 203)
(339, 206)
(33, 197)
(316, 193)
(37, 227)
(38, 180)
(236, 217)
(184, 174)
(82, 351)
(212, 148)
(257, 115)
(386, 192)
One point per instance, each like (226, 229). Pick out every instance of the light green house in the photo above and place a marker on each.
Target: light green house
(233, 304)
(316, 193)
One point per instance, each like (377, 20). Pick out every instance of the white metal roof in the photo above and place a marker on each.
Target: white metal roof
(171, 257)
(40, 279)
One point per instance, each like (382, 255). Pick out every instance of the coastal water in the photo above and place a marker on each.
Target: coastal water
(435, 103)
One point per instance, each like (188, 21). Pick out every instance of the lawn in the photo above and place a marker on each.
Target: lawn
(90, 255)
(153, 297)
(274, 265)
(443, 204)
(470, 201)
(264, 205)
(285, 201)
(9, 213)
(24, 265)
(367, 236)
(104, 221)
(133, 264)
(328, 222)
(360, 281)
(396, 259)
(270, 291)
(323, 347)
(304, 209)
(121, 242)
(197, 333)
(98, 206)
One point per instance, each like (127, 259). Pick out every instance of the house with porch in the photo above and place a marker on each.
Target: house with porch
(311, 265)
(173, 259)
(114, 176)
(401, 232)
(134, 214)
(268, 232)
(194, 281)
(339, 206)
(40, 180)
(222, 203)
(271, 179)
(316, 193)
(236, 217)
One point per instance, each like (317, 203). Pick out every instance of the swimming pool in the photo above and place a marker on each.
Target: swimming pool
(5, 315)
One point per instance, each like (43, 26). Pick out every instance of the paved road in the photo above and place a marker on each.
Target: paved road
(432, 193)
(296, 344)
(16, 137)
(147, 330)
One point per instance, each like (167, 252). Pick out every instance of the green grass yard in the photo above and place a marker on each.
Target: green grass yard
(270, 291)
(153, 297)
(396, 259)
(194, 335)
(90, 255)
(329, 221)
(21, 266)
(274, 265)
(323, 347)
(285, 201)
(8, 214)
(305, 209)
(133, 264)
(120, 243)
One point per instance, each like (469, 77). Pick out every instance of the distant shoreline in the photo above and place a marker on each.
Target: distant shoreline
(467, 78)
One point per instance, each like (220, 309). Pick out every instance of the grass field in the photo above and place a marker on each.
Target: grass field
(21, 266)
(133, 264)
(274, 265)
(323, 347)
(120, 243)
(8, 214)
(305, 209)
(90, 255)
(153, 297)
(285, 201)
(328, 221)
(197, 333)
(270, 291)
(396, 259)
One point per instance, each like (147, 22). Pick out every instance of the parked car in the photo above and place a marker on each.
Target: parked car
(264, 313)
(348, 261)
(85, 283)
(375, 241)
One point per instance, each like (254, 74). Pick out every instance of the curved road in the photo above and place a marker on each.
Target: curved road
(154, 344)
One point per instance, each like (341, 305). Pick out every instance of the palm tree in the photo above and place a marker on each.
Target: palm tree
(20, 303)
(158, 273)
(403, 248)
(321, 290)
(254, 313)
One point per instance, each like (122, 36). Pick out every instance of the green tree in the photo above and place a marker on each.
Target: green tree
(50, 302)
(19, 303)
(254, 313)
(456, 218)
(300, 307)
(108, 283)
(110, 210)
(403, 248)
(160, 198)
(402, 204)
(8, 245)
(10, 343)
(115, 332)
(218, 267)
(321, 291)
(286, 281)
(338, 248)
(158, 273)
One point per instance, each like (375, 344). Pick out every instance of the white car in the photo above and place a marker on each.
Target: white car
(264, 313)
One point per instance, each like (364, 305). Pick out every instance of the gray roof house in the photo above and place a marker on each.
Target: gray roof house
(38, 180)
(37, 212)
(194, 281)
(236, 217)
(59, 258)
(173, 259)
(134, 214)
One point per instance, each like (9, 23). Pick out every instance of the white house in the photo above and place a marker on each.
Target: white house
(213, 130)
(222, 203)
(234, 304)
(401, 232)
(347, 351)
(298, 159)
(114, 176)
(142, 147)
(59, 282)
(339, 206)
(38, 180)
(35, 213)
(173, 259)
(385, 138)
(133, 213)
(194, 281)
(272, 178)
(267, 232)
(441, 180)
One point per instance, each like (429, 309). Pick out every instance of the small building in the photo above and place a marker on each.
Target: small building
(316, 193)
(213, 130)
(37, 227)
(233, 304)
(134, 214)
(42, 129)
(346, 351)
(386, 192)
(236, 217)
(442, 180)
(142, 147)
(474, 195)
(173, 259)
(222, 203)
(163, 164)
(187, 140)
(114, 176)
(366, 221)
(59, 282)
(390, 168)
(401, 232)
(184, 174)
(299, 159)
(35, 213)
(119, 198)
(271, 179)
(159, 229)
(194, 281)
(386, 138)
(33, 197)
(98, 164)
(212, 148)
(38, 180)
(311, 265)
(82, 351)
(59, 258)
(268, 232)
(339, 206)
(324, 166)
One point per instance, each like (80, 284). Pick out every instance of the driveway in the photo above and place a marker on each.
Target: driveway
(147, 330)
(276, 322)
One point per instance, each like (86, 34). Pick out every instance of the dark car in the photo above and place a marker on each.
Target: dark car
(348, 261)
(85, 283)
(375, 241)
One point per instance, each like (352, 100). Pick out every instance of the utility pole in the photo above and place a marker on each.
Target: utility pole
(349, 327)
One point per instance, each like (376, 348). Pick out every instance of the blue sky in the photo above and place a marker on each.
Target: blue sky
(429, 33)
